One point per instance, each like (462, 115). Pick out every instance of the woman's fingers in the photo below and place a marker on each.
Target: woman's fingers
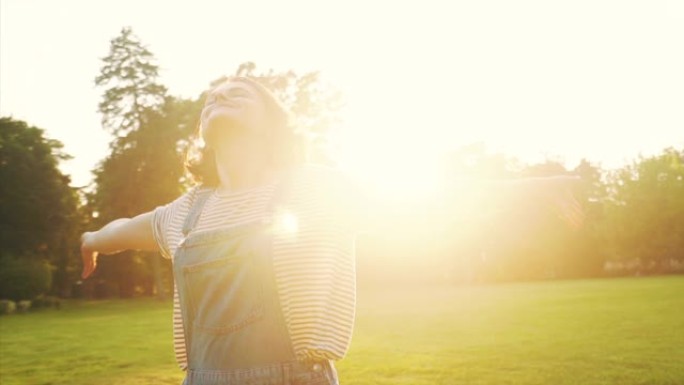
(570, 210)
(89, 257)
(87, 263)
(573, 217)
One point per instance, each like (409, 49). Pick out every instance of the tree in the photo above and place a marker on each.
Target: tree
(129, 77)
(140, 176)
(37, 206)
(645, 212)
(132, 109)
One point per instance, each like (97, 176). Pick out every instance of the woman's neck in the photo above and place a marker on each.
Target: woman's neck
(244, 178)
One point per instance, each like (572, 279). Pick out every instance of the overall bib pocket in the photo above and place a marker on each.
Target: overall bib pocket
(224, 294)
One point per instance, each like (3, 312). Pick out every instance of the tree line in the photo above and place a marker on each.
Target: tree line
(634, 216)
(633, 224)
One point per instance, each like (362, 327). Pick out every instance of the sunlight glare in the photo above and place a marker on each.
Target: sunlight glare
(397, 162)
(286, 223)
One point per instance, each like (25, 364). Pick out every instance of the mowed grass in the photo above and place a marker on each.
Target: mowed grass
(606, 331)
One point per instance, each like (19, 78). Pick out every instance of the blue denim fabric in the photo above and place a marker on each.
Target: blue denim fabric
(234, 328)
(290, 373)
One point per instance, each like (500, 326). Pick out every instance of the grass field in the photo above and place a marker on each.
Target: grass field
(624, 331)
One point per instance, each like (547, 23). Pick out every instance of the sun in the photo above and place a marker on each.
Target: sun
(398, 167)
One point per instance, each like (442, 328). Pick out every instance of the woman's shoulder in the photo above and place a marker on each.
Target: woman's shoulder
(184, 200)
(320, 174)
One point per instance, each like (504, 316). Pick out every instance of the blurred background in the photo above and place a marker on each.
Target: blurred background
(422, 104)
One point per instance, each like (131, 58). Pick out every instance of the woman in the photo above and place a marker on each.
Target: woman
(262, 250)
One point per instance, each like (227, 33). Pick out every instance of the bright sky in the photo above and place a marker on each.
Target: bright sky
(597, 79)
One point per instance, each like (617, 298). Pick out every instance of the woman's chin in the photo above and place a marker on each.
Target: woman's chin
(221, 120)
(216, 124)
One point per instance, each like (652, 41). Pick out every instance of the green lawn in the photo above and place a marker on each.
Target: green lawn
(615, 331)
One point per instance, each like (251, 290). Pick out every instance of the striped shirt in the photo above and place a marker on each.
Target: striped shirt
(313, 255)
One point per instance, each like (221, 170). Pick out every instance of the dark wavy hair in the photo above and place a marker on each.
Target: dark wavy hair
(286, 147)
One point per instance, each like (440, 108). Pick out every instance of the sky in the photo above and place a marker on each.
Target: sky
(597, 79)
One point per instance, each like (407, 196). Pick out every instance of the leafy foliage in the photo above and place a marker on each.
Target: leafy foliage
(130, 78)
(24, 278)
(40, 211)
(144, 167)
(35, 197)
(645, 211)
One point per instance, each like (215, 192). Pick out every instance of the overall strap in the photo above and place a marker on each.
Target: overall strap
(203, 193)
(199, 199)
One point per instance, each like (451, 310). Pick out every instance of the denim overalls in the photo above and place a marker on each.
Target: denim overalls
(234, 328)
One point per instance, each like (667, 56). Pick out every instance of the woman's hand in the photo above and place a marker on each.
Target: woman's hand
(88, 254)
(558, 192)
(118, 235)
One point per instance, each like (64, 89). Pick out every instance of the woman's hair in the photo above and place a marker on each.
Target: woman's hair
(286, 150)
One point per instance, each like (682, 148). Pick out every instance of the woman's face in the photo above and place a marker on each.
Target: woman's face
(233, 111)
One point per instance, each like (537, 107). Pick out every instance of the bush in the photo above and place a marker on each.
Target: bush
(23, 278)
(23, 306)
(7, 306)
(45, 301)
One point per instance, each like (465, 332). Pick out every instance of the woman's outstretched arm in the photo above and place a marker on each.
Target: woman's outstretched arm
(118, 235)
(553, 190)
